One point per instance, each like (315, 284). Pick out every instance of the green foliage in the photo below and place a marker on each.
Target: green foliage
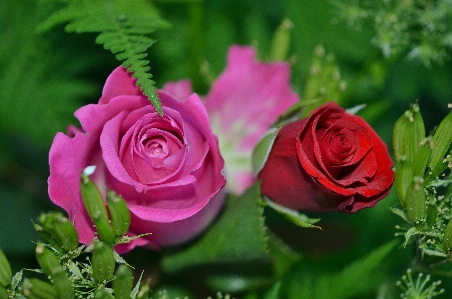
(123, 29)
(357, 278)
(420, 27)
(40, 84)
(239, 235)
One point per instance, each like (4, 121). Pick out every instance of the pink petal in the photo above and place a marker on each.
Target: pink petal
(243, 102)
(120, 82)
(180, 90)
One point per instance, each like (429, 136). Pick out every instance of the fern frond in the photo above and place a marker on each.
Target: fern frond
(124, 27)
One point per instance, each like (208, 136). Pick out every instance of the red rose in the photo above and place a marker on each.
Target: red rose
(330, 161)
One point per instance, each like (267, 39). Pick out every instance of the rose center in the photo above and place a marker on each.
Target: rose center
(340, 144)
(156, 147)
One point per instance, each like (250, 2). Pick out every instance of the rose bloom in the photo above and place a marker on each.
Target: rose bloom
(246, 98)
(330, 161)
(167, 168)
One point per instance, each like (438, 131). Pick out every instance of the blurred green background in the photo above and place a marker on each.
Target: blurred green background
(44, 78)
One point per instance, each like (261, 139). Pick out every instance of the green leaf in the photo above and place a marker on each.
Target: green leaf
(358, 278)
(238, 236)
(234, 283)
(124, 28)
(282, 256)
(292, 215)
(274, 292)
(401, 213)
(17, 278)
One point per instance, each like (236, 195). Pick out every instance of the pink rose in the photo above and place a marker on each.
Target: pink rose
(168, 169)
(243, 102)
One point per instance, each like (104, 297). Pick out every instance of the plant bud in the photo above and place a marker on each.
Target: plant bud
(3, 293)
(48, 261)
(123, 283)
(415, 201)
(47, 236)
(281, 41)
(432, 212)
(61, 229)
(421, 158)
(441, 141)
(402, 179)
(5, 270)
(38, 289)
(94, 204)
(441, 167)
(119, 213)
(447, 240)
(103, 294)
(103, 261)
(409, 131)
(50, 264)
(63, 286)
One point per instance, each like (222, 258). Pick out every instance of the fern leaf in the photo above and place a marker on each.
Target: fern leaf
(124, 27)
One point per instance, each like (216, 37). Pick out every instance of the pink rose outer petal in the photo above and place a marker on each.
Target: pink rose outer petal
(243, 102)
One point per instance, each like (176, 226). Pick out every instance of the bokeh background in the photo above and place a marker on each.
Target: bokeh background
(386, 63)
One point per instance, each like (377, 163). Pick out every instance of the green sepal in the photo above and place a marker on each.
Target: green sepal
(119, 213)
(60, 229)
(95, 206)
(103, 261)
(402, 179)
(292, 215)
(409, 132)
(38, 289)
(5, 270)
(442, 140)
(262, 150)
(123, 283)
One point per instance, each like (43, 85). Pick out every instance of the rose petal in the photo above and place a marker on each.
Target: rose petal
(180, 90)
(242, 103)
(119, 83)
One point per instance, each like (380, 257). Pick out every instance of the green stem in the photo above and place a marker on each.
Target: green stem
(196, 44)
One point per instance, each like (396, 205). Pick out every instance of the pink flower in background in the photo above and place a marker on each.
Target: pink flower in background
(243, 102)
(168, 169)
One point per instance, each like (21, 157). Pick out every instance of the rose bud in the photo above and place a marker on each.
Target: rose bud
(330, 161)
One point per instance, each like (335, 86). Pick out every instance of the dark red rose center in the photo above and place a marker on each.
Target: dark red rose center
(340, 145)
